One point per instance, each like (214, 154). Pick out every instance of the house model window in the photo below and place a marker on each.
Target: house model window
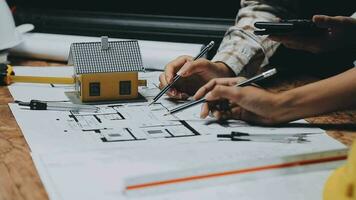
(94, 89)
(106, 70)
(125, 88)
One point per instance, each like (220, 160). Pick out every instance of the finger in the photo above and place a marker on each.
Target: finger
(175, 94)
(324, 21)
(183, 95)
(208, 109)
(236, 112)
(172, 92)
(204, 111)
(233, 113)
(174, 66)
(162, 81)
(219, 81)
(223, 92)
(219, 115)
(223, 115)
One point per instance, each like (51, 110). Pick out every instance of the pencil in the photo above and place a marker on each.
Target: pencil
(177, 77)
(250, 81)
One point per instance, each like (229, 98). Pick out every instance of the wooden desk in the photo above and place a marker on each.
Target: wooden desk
(19, 179)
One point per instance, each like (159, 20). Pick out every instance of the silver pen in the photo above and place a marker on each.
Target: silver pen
(60, 106)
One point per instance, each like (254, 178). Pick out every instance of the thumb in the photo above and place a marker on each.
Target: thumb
(324, 21)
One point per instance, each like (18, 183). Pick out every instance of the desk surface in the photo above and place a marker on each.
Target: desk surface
(18, 176)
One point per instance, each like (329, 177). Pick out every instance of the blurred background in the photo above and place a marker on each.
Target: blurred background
(177, 21)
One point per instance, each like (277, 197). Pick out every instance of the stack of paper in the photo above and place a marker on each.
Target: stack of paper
(155, 54)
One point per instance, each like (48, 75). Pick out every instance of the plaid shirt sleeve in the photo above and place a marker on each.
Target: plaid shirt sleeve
(240, 49)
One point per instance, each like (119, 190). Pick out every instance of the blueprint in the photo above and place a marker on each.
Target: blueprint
(100, 150)
(115, 125)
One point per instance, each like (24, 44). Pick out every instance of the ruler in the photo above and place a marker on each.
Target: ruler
(235, 171)
(49, 80)
(7, 76)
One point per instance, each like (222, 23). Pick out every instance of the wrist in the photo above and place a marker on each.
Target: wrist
(286, 107)
(224, 69)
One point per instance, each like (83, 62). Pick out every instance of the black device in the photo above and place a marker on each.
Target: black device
(288, 27)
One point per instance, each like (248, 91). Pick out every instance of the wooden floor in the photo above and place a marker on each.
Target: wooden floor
(18, 176)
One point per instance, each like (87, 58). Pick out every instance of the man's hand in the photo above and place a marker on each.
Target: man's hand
(249, 103)
(194, 75)
(340, 33)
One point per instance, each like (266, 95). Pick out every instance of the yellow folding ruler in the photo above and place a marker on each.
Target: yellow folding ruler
(7, 76)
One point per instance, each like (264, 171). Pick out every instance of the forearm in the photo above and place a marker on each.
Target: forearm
(332, 94)
(240, 49)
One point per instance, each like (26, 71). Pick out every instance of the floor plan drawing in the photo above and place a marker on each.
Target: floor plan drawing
(119, 125)
(122, 122)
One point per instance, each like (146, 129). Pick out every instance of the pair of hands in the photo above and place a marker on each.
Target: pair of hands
(205, 78)
(202, 78)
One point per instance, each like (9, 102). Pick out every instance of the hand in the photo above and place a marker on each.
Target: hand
(340, 33)
(249, 103)
(194, 75)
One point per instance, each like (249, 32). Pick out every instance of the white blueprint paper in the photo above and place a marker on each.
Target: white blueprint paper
(88, 155)
(114, 125)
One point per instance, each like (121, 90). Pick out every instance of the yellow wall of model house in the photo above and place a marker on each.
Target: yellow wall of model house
(109, 85)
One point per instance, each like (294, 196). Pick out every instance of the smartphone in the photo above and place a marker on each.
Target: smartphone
(288, 27)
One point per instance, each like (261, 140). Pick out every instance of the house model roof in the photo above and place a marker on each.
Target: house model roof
(103, 57)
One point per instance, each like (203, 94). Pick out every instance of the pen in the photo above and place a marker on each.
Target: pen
(240, 136)
(254, 79)
(266, 140)
(43, 105)
(177, 77)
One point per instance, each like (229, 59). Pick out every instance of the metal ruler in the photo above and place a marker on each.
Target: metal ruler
(235, 171)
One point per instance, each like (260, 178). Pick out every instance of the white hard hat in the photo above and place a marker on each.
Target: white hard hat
(10, 35)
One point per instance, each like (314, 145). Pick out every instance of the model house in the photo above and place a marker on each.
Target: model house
(106, 70)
